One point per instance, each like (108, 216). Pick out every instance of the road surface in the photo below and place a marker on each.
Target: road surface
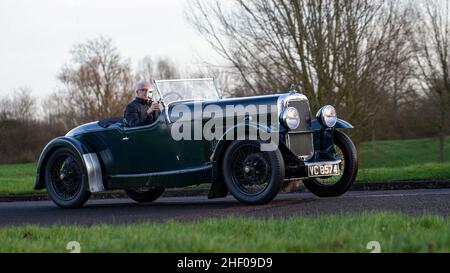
(122, 211)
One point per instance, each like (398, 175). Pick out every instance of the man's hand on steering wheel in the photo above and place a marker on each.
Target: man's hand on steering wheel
(153, 108)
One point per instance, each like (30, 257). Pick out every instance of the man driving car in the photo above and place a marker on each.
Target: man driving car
(141, 111)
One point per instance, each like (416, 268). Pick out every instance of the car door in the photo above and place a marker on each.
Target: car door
(193, 151)
(150, 149)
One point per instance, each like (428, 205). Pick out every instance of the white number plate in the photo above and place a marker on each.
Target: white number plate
(318, 170)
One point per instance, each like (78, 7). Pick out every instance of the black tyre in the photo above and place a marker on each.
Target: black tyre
(252, 176)
(336, 186)
(143, 195)
(66, 179)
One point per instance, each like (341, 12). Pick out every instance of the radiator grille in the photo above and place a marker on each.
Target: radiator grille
(300, 140)
(303, 109)
(301, 144)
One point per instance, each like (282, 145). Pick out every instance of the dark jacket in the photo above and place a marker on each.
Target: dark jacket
(136, 113)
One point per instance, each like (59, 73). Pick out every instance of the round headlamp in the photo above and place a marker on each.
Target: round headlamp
(291, 118)
(327, 116)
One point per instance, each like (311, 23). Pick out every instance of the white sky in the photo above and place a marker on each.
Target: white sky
(36, 36)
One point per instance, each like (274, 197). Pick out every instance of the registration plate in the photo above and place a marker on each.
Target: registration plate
(320, 169)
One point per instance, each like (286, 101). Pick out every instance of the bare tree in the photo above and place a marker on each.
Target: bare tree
(164, 69)
(5, 108)
(21, 106)
(56, 111)
(97, 83)
(225, 79)
(157, 69)
(399, 92)
(336, 50)
(432, 41)
(22, 134)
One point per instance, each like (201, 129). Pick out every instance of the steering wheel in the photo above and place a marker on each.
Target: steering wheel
(173, 96)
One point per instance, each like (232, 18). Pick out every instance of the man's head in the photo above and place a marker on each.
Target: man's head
(142, 89)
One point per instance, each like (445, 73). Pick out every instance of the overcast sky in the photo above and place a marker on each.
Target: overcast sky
(36, 36)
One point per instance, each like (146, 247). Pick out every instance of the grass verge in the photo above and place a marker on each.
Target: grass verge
(401, 153)
(428, 171)
(17, 178)
(338, 233)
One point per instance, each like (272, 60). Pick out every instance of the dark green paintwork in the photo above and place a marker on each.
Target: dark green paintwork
(148, 155)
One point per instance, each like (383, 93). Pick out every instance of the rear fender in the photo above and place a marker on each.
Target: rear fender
(89, 158)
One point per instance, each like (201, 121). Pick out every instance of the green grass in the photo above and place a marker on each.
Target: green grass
(431, 171)
(414, 159)
(400, 153)
(339, 233)
(17, 178)
(379, 161)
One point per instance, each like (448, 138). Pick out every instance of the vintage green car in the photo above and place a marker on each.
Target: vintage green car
(250, 147)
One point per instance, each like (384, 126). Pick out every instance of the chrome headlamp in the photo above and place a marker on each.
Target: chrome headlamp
(291, 118)
(327, 116)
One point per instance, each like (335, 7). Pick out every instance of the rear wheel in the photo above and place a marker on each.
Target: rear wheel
(66, 179)
(252, 176)
(338, 185)
(143, 195)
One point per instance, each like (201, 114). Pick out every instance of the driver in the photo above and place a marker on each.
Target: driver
(141, 111)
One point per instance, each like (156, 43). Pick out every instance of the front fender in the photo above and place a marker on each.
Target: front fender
(228, 136)
(89, 158)
(340, 124)
(218, 188)
(323, 139)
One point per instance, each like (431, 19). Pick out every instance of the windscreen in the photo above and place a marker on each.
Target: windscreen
(182, 90)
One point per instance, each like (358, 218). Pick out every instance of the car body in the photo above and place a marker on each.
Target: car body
(145, 160)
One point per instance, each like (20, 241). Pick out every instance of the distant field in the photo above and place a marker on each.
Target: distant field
(380, 161)
(339, 233)
(400, 153)
(403, 160)
(17, 178)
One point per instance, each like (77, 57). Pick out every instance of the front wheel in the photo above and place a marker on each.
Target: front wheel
(251, 175)
(66, 179)
(143, 195)
(336, 186)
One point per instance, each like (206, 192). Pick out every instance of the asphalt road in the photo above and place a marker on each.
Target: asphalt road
(121, 211)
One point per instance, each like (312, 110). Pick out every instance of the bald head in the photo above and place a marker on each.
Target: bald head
(143, 84)
(142, 88)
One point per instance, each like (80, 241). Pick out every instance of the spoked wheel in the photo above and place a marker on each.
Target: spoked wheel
(252, 176)
(66, 180)
(144, 194)
(337, 185)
